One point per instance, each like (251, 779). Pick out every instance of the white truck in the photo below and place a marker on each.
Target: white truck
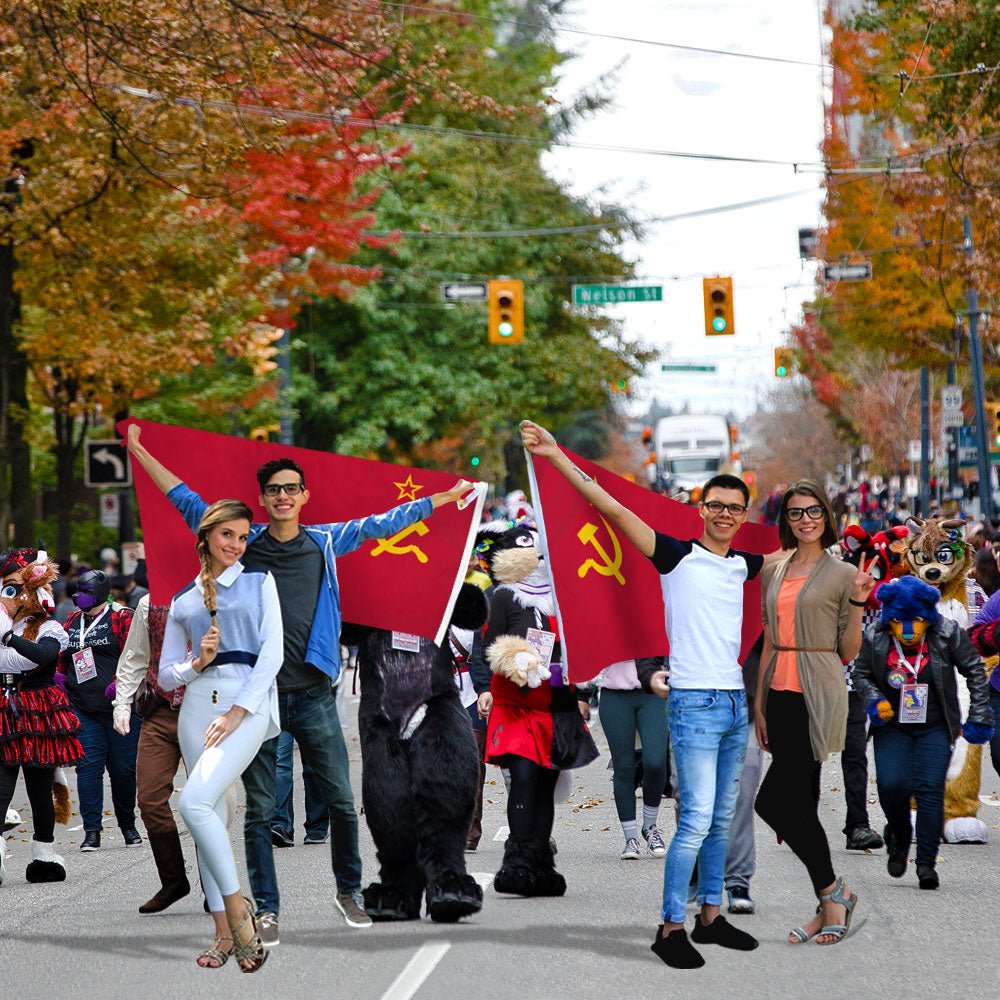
(691, 448)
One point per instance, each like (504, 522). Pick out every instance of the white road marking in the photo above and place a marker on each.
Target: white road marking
(73, 829)
(502, 834)
(989, 800)
(484, 879)
(416, 971)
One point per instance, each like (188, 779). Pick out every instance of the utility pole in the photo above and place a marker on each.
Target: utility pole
(925, 440)
(953, 482)
(978, 381)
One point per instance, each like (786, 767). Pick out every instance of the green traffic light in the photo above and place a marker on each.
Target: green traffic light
(781, 371)
(474, 461)
(719, 324)
(505, 329)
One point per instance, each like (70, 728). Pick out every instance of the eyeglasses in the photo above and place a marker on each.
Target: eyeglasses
(717, 507)
(292, 489)
(814, 512)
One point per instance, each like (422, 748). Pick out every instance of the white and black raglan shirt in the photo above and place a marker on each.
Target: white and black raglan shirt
(703, 601)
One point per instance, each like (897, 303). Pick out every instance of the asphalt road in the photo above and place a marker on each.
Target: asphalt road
(85, 938)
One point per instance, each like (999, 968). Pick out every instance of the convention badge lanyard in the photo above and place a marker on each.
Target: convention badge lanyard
(83, 659)
(912, 696)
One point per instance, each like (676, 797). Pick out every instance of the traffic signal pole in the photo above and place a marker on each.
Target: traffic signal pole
(925, 441)
(978, 382)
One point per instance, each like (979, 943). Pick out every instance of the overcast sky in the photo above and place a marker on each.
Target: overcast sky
(692, 102)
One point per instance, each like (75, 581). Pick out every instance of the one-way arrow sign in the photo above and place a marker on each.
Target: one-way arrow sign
(106, 464)
(464, 291)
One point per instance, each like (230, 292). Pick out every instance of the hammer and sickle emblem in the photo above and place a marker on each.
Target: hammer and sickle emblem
(609, 566)
(391, 545)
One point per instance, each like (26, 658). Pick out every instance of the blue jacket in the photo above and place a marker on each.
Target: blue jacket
(334, 540)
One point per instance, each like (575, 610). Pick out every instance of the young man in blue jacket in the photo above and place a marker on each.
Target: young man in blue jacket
(302, 559)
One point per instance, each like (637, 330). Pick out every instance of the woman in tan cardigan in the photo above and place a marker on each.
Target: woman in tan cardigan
(812, 605)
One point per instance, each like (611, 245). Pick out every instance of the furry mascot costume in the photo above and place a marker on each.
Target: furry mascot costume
(37, 727)
(937, 553)
(906, 671)
(535, 728)
(420, 771)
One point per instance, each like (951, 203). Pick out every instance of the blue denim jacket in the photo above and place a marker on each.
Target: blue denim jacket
(334, 540)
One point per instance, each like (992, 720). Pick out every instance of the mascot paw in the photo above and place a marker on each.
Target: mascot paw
(966, 830)
(386, 902)
(879, 711)
(514, 658)
(453, 896)
(60, 797)
(45, 864)
(977, 732)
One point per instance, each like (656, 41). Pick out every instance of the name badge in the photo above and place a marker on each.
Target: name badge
(405, 642)
(544, 642)
(176, 697)
(913, 702)
(84, 665)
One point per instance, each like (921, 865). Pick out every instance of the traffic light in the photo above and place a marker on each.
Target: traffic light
(264, 433)
(782, 362)
(620, 385)
(718, 293)
(474, 461)
(506, 309)
(992, 424)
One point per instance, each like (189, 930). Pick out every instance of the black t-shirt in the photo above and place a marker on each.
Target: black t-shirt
(935, 710)
(297, 568)
(106, 647)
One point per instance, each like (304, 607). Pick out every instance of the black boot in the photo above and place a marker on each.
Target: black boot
(169, 858)
(517, 875)
(452, 896)
(388, 902)
(548, 882)
(897, 852)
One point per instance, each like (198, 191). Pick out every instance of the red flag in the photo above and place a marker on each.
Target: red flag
(408, 582)
(608, 594)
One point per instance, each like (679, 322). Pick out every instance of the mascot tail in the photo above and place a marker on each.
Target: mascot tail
(60, 797)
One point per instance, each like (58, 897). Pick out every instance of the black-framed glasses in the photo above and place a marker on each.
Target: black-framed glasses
(814, 512)
(275, 489)
(717, 507)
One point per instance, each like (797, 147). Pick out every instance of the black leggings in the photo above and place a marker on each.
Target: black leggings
(788, 800)
(38, 782)
(531, 809)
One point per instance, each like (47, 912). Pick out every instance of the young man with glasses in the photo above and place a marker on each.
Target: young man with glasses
(302, 559)
(702, 583)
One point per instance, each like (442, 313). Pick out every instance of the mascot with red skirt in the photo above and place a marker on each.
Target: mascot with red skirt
(535, 727)
(37, 727)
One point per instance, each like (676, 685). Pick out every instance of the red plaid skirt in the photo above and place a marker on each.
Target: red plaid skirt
(38, 728)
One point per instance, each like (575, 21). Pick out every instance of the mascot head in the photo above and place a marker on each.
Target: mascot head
(909, 608)
(26, 593)
(92, 590)
(882, 553)
(508, 552)
(938, 554)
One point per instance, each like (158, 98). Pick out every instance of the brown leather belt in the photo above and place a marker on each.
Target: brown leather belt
(802, 649)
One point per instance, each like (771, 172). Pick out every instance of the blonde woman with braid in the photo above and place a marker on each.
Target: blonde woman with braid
(224, 642)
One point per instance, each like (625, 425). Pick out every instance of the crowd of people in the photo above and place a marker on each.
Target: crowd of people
(246, 662)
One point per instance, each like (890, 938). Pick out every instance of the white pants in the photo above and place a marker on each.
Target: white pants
(203, 801)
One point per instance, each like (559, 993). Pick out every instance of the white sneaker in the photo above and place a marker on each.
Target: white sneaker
(632, 850)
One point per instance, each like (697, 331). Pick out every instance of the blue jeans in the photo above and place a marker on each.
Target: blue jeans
(912, 764)
(708, 734)
(317, 815)
(311, 718)
(106, 749)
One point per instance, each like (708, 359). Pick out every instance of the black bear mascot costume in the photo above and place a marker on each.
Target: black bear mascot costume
(420, 769)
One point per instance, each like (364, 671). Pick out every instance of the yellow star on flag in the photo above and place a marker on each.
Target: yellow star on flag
(407, 489)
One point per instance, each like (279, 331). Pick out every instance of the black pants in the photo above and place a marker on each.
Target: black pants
(788, 800)
(854, 761)
(38, 783)
(531, 809)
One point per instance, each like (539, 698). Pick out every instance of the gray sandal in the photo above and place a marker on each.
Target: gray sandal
(838, 931)
(801, 935)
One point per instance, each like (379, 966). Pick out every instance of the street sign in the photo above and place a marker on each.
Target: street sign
(688, 368)
(951, 397)
(968, 450)
(106, 464)
(867, 453)
(914, 453)
(463, 291)
(132, 552)
(599, 295)
(110, 510)
(911, 487)
(952, 418)
(848, 272)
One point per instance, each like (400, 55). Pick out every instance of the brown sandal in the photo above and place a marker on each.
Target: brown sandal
(214, 957)
(253, 952)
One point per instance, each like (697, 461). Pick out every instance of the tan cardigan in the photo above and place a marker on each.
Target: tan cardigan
(821, 613)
